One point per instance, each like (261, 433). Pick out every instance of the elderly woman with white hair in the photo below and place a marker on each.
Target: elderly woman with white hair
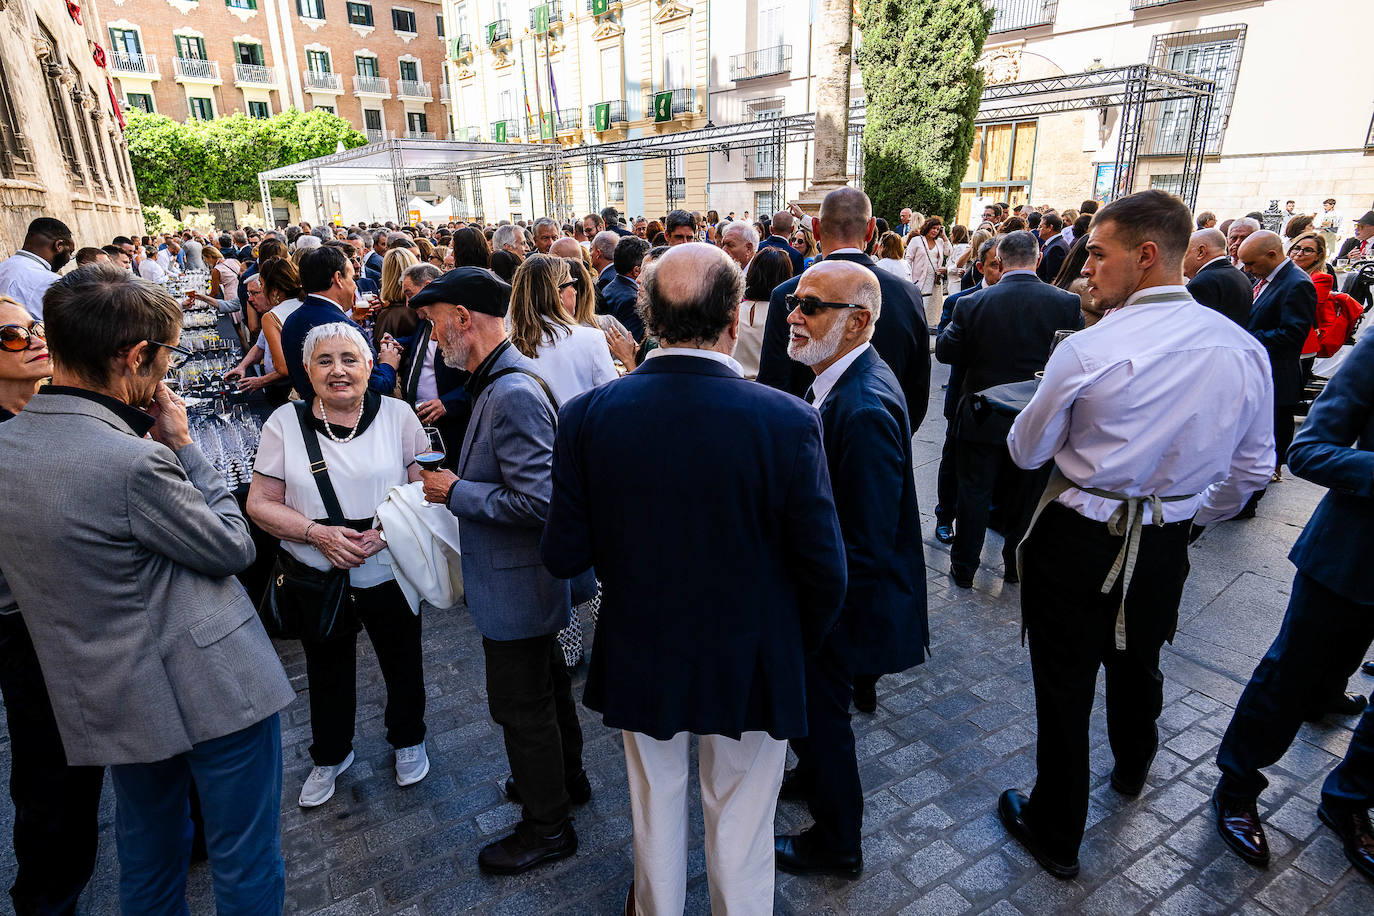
(368, 443)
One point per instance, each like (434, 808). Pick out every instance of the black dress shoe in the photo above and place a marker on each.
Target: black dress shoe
(963, 580)
(1011, 811)
(1132, 783)
(579, 789)
(944, 534)
(1367, 667)
(794, 787)
(866, 693)
(1352, 826)
(1010, 577)
(524, 849)
(803, 854)
(1239, 825)
(1347, 704)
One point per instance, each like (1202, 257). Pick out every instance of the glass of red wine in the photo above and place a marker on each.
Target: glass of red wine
(432, 455)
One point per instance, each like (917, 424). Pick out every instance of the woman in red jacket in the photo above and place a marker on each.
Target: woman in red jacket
(1336, 312)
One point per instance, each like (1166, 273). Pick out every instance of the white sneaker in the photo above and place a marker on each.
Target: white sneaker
(319, 785)
(412, 764)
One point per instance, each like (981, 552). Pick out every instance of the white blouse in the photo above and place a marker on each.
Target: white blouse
(281, 312)
(753, 313)
(362, 471)
(895, 266)
(574, 362)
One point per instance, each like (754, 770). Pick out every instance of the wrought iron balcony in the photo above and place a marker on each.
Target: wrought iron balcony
(133, 64)
(1009, 15)
(759, 164)
(567, 120)
(470, 134)
(510, 126)
(617, 112)
(254, 75)
(615, 190)
(684, 101)
(498, 32)
(1146, 4)
(372, 85)
(190, 69)
(763, 62)
(413, 89)
(419, 135)
(323, 81)
(612, 7)
(555, 13)
(444, 92)
(376, 135)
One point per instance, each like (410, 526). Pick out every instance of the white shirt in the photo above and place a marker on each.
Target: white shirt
(895, 266)
(281, 311)
(1068, 234)
(427, 387)
(827, 379)
(753, 316)
(726, 361)
(25, 277)
(1159, 398)
(574, 362)
(150, 269)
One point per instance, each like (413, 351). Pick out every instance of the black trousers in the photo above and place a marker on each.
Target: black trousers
(985, 470)
(1071, 625)
(826, 761)
(1283, 432)
(331, 669)
(947, 481)
(529, 693)
(55, 805)
(1323, 639)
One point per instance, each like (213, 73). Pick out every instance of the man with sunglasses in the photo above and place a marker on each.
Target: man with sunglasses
(26, 275)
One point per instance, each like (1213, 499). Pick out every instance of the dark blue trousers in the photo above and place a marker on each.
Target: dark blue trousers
(1323, 638)
(826, 761)
(239, 779)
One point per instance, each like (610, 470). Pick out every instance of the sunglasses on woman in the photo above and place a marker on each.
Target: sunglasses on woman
(16, 337)
(810, 305)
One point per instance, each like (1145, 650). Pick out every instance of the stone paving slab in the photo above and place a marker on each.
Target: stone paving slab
(948, 736)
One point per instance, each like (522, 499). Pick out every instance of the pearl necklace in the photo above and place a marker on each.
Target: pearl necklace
(329, 430)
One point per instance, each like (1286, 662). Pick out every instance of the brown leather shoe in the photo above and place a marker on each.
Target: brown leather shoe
(1352, 826)
(1011, 810)
(1239, 825)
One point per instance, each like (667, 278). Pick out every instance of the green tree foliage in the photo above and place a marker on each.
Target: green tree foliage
(917, 59)
(183, 165)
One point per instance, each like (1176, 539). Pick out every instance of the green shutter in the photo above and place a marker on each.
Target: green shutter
(663, 106)
(602, 116)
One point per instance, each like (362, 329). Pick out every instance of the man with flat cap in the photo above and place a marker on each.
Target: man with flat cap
(501, 492)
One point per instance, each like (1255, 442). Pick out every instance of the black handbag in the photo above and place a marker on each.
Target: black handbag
(302, 602)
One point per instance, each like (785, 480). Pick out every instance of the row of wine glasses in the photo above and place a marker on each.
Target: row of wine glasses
(178, 284)
(228, 435)
(205, 340)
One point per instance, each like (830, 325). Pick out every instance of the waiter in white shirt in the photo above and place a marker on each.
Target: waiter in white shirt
(26, 275)
(1158, 417)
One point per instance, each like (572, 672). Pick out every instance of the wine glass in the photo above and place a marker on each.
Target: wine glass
(432, 455)
(1060, 337)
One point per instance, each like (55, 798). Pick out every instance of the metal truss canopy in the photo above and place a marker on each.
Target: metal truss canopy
(1105, 88)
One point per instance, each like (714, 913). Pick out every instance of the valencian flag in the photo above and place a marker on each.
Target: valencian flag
(599, 7)
(601, 116)
(540, 17)
(663, 106)
(498, 132)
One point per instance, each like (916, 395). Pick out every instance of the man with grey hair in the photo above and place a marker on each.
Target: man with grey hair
(882, 627)
(372, 266)
(602, 252)
(546, 232)
(509, 238)
(780, 237)
(740, 241)
(1000, 335)
(1240, 230)
(1213, 280)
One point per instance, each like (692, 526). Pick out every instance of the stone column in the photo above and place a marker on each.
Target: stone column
(834, 60)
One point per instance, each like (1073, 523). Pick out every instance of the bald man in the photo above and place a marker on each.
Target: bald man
(1213, 280)
(882, 628)
(1284, 310)
(780, 236)
(566, 247)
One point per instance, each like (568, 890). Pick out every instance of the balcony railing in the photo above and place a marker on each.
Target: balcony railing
(461, 47)
(413, 89)
(126, 62)
(677, 188)
(321, 81)
(615, 190)
(613, 7)
(763, 62)
(760, 165)
(498, 31)
(254, 75)
(419, 135)
(1009, 15)
(372, 85)
(190, 68)
(470, 134)
(617, 112)
(377, 135)
(684, 101)
(1146, 4)
(555, 13)
(567, 120)
(444, 92)
(511, 127)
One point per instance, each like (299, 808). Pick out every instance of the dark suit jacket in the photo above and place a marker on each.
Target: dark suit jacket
(1281, 319)
(774, 241)
(620, 295)
(1346, 247)
(1335, 448)
(1052, 258)
(313, 311)
(1223, 288)
(956, 373)
(708, 604)
(883, 627)
(900, 337)
(449, 382)
(1003, 334)
(372, 265)
(619, 229)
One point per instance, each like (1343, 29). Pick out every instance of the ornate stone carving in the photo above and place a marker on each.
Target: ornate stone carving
(1001, 65)
(182, 6)
(670, 10)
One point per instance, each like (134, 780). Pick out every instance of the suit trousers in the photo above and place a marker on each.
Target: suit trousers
(740, 780)
(827, 765)
(529, 693)
(1284, 426)
(947, 481)
(239, 780)
(55, 805)
(331, 670)
(1071, 625)
(985, 469)
(1321, 642)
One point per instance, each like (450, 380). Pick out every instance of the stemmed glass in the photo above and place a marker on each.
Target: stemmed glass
(432, 455)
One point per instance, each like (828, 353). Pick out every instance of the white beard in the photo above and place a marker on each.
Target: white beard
(453, 349)
(817, 351)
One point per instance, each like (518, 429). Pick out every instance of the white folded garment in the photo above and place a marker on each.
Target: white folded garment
(423, 547)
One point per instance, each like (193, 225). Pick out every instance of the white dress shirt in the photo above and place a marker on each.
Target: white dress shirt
(150, 269)
(25, 277)
(728, 362)
(1162, 398)
(827, 379)
(427, 386)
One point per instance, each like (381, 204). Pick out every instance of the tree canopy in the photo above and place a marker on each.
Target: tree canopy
(922, 89)
(180, 165)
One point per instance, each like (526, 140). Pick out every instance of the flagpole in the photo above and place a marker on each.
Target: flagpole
(557, 181)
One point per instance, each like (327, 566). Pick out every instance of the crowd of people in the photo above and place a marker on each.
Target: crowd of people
(698, 431)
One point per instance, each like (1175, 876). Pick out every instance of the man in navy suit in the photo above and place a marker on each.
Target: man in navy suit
(710, 599)
(1213, 281)
(1056, 247)
(882, 628)
(372, 265)
(780, 237)
(611, 217)
(1284, 311)
(900, 335)
(621, 294)
(1326, 632)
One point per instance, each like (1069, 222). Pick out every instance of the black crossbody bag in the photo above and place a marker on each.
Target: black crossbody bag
(303, 602)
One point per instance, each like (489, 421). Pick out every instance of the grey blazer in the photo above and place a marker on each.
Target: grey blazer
(502, 497)
(122, 554)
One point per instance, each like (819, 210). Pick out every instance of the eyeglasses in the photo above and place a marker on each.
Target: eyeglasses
(1302, 251)
(810, 305)
(16, 337)
(566, 283)
(177, 361)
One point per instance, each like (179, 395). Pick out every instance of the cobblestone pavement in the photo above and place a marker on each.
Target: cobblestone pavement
(947, 738)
